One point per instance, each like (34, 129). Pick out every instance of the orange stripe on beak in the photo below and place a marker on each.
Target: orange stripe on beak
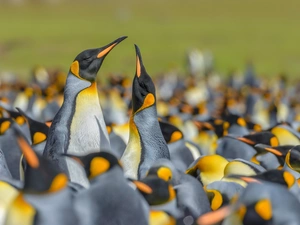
(29, 154)
(274, 151)
(105, 51)
(246, 140)
(214, 216)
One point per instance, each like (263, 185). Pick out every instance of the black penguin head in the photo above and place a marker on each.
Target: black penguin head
(16, 116)
(143, 89)
(170, 132)
(41, 175)
(38, 130)
(162, 191)
(279, 151)
(292, 158)
(163, 172)
(44, 177)
(259, 212)
(265, 137)
(96, 163)
(87, 64)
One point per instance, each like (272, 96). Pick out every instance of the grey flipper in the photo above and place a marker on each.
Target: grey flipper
(4, 171)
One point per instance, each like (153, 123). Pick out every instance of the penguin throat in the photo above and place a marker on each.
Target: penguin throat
(132, 154)
(84, 130)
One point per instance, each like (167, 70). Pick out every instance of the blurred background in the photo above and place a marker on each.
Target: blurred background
(232, 32)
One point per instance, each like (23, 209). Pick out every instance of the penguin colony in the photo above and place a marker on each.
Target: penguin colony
(200, 154)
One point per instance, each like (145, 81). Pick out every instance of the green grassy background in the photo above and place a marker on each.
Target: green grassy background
(268, 32)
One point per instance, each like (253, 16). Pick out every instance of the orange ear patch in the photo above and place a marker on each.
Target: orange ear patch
(75, 68)
(59, 182)
(39, 137)
(4, 127)
(98, 166)
(177, 135)
(148, 101)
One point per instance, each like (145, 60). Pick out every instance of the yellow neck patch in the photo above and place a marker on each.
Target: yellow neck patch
(20, 212)
(216, 200)
(254, 160)
(148, 101)
(287, 159)
(4, 127)
(226, 125)
(164, 173)
(75, 69)
(172, 193)
(109, 129)
(264, 209)
(285, 137)
(98, 166)
(39, 137)
(211, 168)
(105, 51)
(161, 218)
(177, 135)
(238, 168)
(242, 211)
(138, 67)
(59, 182)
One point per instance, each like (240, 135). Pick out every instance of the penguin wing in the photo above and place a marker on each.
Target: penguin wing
(56, 146)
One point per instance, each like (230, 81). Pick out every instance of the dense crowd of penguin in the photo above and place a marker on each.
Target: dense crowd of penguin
(72, 153)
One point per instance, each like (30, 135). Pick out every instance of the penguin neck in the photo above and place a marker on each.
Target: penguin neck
(153, 144)
(21, 212)
(84, 129)
(114, 174)
(132, 154)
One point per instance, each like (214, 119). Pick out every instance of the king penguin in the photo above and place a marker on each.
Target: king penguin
(146, 142)
(109, 200)
(75, 128)
(45, 197)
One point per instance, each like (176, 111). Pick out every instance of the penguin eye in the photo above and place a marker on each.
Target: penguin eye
(87, 59)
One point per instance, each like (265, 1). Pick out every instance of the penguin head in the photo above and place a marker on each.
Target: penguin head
(292, 159)
(281, 177)
(143, 89)
(162, 191)
(97, 163)
(41, 175)
(264, 137)
(38, 130)
(86, 65)
(170, 132)
(163, 172)
(16, 116)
